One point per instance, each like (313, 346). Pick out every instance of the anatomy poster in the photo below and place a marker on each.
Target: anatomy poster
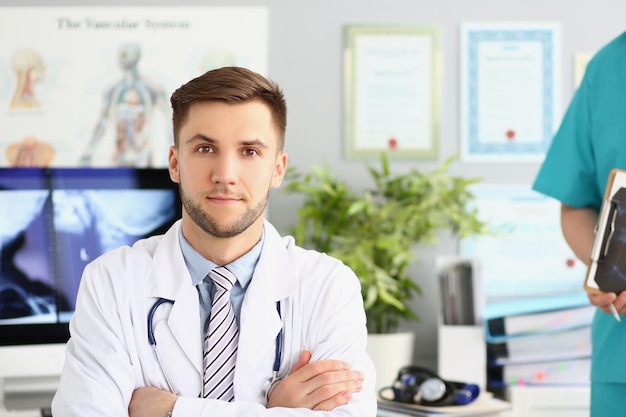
(90, 86)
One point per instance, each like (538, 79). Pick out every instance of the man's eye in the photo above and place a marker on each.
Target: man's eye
(250, 152)
(205, 149)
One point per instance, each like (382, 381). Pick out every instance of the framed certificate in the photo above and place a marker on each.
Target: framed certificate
(392, 91)
(526, 226)
(510, 89)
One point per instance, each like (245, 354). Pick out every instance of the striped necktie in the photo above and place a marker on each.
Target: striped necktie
(220, 343)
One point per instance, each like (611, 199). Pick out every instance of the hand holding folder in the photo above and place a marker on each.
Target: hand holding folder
(607, 269)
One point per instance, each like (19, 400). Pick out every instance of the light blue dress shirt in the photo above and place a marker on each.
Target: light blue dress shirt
(199, 269)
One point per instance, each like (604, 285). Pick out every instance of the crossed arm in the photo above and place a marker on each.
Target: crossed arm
(319, 385)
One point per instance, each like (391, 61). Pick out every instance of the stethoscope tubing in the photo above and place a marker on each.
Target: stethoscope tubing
(152, 339)
(156, 305)
(153, 343)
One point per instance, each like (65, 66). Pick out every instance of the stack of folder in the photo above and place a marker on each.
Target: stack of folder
(539, 341)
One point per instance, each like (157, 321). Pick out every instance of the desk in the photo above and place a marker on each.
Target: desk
(385, 413)
(485, 405)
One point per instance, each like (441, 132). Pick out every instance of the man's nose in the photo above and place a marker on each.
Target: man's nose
(224, 170)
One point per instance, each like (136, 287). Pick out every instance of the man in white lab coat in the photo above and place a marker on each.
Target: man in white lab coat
(298, 312)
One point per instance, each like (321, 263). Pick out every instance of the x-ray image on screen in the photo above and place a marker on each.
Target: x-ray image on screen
(89, 223)
(27, 287)
(53, 222)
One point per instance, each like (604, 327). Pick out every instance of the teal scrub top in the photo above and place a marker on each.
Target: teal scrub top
(589, 143)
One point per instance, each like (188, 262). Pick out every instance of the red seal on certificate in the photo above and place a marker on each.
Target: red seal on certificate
(392, 143)
(510, 134)
(570, 262)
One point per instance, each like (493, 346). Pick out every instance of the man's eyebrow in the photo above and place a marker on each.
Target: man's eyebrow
(200, 137)
(254, 142)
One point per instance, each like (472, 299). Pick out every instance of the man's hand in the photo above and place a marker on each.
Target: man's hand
(151, 402)
(319, 385)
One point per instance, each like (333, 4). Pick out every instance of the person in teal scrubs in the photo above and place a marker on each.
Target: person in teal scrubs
(589, 143)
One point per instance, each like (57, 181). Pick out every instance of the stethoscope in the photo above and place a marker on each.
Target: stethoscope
(277, 355)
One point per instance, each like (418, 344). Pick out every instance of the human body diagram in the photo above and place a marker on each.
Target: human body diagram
(128, 109)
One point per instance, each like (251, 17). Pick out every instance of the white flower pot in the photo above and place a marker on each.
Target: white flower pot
(390, 352)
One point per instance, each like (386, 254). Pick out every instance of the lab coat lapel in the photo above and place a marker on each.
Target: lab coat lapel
(170, 279)
(259, 326)
(273, 280)
(184, 322)
(176, 351)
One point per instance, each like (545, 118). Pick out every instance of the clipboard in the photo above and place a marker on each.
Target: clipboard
(607, 269)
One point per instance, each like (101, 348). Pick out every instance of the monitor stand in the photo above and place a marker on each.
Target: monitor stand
(27, 393)
(29, 377)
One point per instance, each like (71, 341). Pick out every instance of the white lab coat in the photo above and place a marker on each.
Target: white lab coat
(108, 355)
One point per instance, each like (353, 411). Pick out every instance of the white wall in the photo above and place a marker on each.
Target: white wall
(306, 42)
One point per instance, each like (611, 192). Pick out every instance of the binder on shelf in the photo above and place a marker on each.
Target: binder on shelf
(607, 269)
(542, 347)
(531, 316)
(566, 372)
(503, 328)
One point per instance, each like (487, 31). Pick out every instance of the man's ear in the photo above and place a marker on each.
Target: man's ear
(279, 169)
(173, 164)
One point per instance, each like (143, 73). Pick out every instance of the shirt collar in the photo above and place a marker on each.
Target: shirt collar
(199, 267)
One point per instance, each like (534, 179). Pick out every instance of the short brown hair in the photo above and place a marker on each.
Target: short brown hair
(230, 85)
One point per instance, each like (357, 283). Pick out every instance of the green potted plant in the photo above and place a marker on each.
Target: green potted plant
(376, 231)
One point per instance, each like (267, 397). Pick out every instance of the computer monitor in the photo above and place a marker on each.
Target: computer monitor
(53, 221)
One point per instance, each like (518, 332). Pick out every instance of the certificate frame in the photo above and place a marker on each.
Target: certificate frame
(390, 67)
(510, 90)
(525, 225)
